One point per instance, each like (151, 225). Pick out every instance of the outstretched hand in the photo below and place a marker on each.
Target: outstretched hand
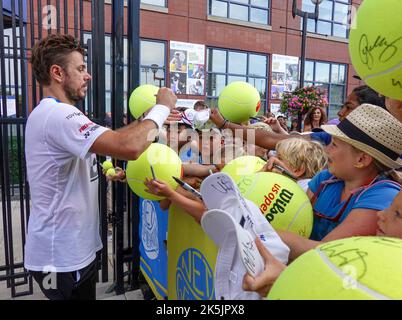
(166, 97)
(216, 117)
(274, 124)
(158, 188)
(265, 280)
(271, 166)
(120, 175)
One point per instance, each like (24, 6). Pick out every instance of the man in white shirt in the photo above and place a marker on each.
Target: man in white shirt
(61, 143)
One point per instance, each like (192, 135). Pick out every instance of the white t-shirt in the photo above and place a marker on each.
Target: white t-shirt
(303, 183)
(63, 230)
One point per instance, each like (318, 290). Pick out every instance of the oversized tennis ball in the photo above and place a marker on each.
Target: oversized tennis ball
(375, 46)
(282, 201)
(142, 99)
(241, 166)
(111, 172)
(165, 163)
(106, 165)
(239, 101)
(347, 269)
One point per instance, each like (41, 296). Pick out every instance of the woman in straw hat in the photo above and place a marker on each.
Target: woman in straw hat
(360, 180)
(360, 188)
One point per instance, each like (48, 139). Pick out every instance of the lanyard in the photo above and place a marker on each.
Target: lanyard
(337, 217)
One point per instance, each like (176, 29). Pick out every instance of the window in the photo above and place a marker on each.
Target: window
(161, 3)
(152, 55)
(13, 75)
(333, 19)
(330, 77)
(226, 66)
(256, 11)
(153, 61)
(108, 72)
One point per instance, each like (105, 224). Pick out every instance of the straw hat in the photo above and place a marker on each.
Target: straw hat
(373, 130)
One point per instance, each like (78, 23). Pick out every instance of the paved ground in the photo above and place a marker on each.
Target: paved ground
(5, 293)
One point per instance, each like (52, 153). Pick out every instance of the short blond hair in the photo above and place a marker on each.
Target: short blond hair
(303, 154)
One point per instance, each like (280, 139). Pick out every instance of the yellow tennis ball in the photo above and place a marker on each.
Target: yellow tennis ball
(142, 99)
(165, 162)
(282, 201)
(106, 165)
(347, 269)
(375, 46)
(239, 101)
(241, 166)
(111, 172)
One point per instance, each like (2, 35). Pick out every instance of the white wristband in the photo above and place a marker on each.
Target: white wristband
(158, 114)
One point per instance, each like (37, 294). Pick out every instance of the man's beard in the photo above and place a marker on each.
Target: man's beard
(71, 93)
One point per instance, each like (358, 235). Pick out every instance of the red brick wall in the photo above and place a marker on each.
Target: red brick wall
(187, 21)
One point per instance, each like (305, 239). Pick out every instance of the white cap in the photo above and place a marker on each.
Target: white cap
(232, 222)
(196, 119)
(221, 227)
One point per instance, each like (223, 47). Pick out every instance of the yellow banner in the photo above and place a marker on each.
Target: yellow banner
(191, 258)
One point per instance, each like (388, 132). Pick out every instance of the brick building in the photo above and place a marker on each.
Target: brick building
(240, 37)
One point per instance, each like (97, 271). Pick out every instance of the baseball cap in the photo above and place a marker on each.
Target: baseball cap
(233, 223)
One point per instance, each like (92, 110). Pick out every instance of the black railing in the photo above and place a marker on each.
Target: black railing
(22, 23)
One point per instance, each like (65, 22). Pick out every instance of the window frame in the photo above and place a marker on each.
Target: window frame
(157, 5)
(329, 83)
(12, 89)
(332, 21)
(249, 6)
(209, 72)
(165, 58)
(108, 91)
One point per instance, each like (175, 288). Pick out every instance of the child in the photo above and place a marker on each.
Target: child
(182, 198)
(390, 219)
(304, 159)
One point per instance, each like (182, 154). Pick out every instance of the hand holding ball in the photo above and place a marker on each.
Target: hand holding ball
(106, 165)
(239, 101)
(142, 99)
(359, 268)
(111, 172)
(165, 163)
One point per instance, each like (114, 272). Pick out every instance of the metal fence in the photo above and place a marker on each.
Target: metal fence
(22, 23)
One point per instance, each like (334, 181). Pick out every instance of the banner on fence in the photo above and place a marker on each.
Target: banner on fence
(192, 257)
(153, 234)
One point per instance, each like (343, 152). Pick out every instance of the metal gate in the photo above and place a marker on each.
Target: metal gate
(22, 23)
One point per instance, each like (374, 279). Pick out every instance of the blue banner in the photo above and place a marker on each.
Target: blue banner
(153, 246)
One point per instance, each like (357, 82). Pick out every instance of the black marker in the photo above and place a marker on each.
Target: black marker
(153, 173)
(284, 171)
(187, 187)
